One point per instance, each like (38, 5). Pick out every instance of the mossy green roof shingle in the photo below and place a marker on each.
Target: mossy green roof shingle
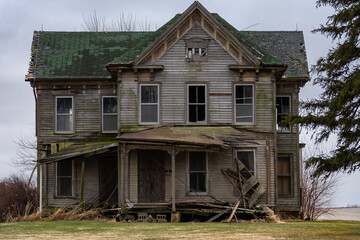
(85, 54)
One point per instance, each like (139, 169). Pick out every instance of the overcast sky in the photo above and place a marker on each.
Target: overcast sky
(19, 18)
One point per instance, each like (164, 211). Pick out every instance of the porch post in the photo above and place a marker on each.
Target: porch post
(41, 189)
(82, 182)
(173, 178)
(121, 177)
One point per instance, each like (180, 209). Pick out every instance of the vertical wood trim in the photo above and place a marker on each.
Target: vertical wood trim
(268, 172)
(173, 179)
(127, 175)
(275, 144)
(41, 189)
(82, 182)
(46, 183)
(122, 177)
(119, 82)
(119, 175)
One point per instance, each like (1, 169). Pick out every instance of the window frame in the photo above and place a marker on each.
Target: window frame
(108, 114)
(158, 103)
(188, 104)
(235, 104)
(189, 192)
(193, 44)
(291, 176)
(277, 124)
(255, 158)
(72, 181)
(72, 115)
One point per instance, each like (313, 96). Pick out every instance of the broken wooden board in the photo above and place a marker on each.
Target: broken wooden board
(249, 184)
(219, 215)
(257, 193)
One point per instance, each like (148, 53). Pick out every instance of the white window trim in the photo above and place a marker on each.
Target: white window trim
(188, 174)
(253, 104)
(158, 104)
(187, 103)
(255, 158)
(108, 114)
(72, 115)
(277, 125)
(73, 172)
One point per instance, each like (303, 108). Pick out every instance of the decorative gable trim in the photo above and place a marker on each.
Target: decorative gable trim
(196, 14)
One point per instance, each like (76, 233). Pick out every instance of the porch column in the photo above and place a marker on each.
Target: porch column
(41, 189)
(173, 178)
(121, 176)
(82, 182)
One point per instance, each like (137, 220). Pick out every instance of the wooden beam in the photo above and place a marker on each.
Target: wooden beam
(219, 215)
(82, 182)
(240, 166)
(41, 190)
(173, 179)
(233, 212)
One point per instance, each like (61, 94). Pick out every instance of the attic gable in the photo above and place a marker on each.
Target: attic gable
(196, 14)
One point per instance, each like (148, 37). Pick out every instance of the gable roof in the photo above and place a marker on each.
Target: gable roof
(84, 55)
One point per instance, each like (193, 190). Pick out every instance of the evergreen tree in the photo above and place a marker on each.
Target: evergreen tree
(338, 109)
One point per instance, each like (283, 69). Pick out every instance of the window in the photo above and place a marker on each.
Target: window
(197, 171)
(196, 54)
(149, 104)
(196, 103)
(244, 104)
(109, 114)
(247, 158)
(64, 114)
(282, 110)
(284, 175)
(64, 173)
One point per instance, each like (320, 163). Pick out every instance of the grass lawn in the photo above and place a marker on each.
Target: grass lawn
(111, 230)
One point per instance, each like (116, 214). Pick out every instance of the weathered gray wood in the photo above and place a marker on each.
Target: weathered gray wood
(173, 185)
(250, 183)
(219, 215)
(82, 182)
(240, 166)
(233, 211)
(254, 197)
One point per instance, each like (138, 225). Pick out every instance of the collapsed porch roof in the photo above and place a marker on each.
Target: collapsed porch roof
(179, 135)
(81, 149)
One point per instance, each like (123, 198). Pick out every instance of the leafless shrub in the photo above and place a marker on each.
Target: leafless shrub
(18, 199)
(317, 192)
(94, 23)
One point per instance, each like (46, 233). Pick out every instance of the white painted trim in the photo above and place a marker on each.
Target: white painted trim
(72, 115)
(108, 114)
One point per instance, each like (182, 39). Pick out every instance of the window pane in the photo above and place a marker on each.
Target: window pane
(200, 94)
(64, 168)
(110, 122)
(149, 94)
(109, 105)
(247, 158)
(244, 110)
(248, 91)
(284, 185)
(192, 94)
(64, 123)
(192, 113)
(284, 165)
(197, 161)
(201, 113)
(197, 182)
(244, 120)
(149, 113)
(64, 187)
(239, 91)
(64, 105)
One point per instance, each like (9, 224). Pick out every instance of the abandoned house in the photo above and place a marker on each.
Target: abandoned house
(189, 113)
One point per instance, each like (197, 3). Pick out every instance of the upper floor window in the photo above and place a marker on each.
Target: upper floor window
(282, 110)
(64, 178)
(196, 49)
(244, 104)
(196, 103)
(247, 158)
(284, 174)
(64, 115)
(197, 171)
(149, 103)
(109, 114)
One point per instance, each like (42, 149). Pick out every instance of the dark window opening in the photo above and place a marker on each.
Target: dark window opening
(149, 103)
(64, 114)
(64, 178)
(196, 54)
(110, 114)
(282, 110)
(244, 104)
(247, 158)
(197, 171)
(197, 104)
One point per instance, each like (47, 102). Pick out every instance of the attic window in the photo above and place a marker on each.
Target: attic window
(196, 50)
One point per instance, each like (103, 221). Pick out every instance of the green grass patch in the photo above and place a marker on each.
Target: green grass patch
(111, 230)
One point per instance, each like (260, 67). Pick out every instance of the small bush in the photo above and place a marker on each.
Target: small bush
(18, 199)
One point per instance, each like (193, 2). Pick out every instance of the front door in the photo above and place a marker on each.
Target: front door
(151, 176)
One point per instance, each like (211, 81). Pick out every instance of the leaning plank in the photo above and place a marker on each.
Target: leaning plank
(219, 215)
(233, 212)
(250, 183)
(241, 166)
(230, 180)
(257, 193)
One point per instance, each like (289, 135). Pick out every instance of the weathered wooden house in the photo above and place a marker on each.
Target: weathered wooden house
(160, 118)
